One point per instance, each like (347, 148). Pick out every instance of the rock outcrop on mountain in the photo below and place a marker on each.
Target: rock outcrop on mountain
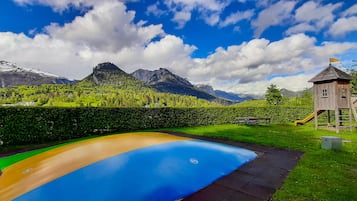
(109, 74)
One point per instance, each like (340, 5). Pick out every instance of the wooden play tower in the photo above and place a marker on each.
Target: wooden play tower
(331, 90)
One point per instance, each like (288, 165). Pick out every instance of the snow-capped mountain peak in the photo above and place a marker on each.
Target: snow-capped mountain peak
(6, 66)
(13, 75)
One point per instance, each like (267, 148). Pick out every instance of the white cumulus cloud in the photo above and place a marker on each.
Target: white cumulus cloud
(258, 88)
(234, 18)
(301, 28)
(208, 10)
(350, 11)
(313, 17)
(61, 5)
(107, 27)
(253, 63)
(275, 14)
(105, 33)
(155, 10)
(343, 26)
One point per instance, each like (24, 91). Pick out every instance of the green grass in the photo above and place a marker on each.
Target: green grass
(252, 103)
(287, 101)
(320, 174)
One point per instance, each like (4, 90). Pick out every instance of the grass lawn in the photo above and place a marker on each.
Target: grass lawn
(320, 174)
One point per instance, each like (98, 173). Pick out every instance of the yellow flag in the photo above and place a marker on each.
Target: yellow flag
(334, 60)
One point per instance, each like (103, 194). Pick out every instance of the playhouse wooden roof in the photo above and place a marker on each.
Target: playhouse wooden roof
(331, 73)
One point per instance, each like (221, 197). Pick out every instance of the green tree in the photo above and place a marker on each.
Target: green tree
(353, 73)
(273, 95)
(307, 97)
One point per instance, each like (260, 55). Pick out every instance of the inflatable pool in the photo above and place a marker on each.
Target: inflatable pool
(129, 167)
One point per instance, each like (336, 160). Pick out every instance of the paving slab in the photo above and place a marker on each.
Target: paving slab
(255, 181)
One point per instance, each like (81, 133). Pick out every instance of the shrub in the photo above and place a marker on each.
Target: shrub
(33, 125)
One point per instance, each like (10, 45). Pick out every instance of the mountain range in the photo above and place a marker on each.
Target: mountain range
(107, 73)
(11, 75)
(235, 98)
(165, 81)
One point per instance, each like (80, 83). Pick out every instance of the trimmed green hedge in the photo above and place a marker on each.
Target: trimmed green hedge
(33, 125)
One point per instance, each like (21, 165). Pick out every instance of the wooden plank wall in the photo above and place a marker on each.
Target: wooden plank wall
(343, 95)
(338, 95)
(324, 102)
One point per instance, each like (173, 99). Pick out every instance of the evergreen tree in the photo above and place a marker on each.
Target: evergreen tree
(273, 95)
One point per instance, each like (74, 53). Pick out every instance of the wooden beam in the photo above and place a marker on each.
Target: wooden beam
(337, 120)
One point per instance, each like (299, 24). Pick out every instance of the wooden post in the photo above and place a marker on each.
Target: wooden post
(340, 117)
(316, 120)
(350, 118)
(337, 120)
(328, 118)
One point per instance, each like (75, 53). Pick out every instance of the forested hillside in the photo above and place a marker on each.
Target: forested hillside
(87, 94)
(106, 86)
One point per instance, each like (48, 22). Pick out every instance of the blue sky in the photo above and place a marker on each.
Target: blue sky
(241, 46)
